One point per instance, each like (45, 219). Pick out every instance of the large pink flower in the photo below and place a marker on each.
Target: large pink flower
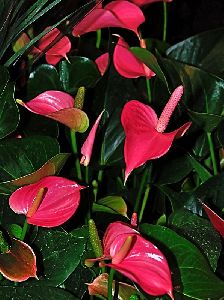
(115, 14)
(145, 2)
(125, 62)
(137, 259)
(58, 106)
(49, 202)
(18, 263)
(145, 137)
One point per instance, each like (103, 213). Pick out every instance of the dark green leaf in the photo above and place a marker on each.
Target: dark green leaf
(204, 50)
(20, 157)
(192, 275)
(34, 293)
(150, 60)
(43, 78)
(8, 109)
(61, 253)
(79, 71)
(202, 172)
(207, 122)
(200, 232)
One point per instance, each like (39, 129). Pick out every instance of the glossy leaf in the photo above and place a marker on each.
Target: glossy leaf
(8, 108)
(19, 263)
(61, 250)
(58, 201)
(208, 122)
(43, 78)
(51, 167)
(79, 71)
(188, 265)
(111, 204)
(204, 50)
(35, 293)
(199, 231)
(21, 157)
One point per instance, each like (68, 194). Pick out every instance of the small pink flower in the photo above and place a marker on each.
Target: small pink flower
(87, 147)
(145, 137)
(48, 203)
(217, 222)
(115, 14)
(19, 262)
(137, 259)
(146, 2)
(125, 62)
(58, 106)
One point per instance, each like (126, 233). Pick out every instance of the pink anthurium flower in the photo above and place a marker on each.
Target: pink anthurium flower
(19, 262)
(115, 14)
(146, 2)
(217, 222)
(145, 137)
(58, 106)
(125, 62)
(87, 147)
(48, 203)
(137, 259)
(57, 51)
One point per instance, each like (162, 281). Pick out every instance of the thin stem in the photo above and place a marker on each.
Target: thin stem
(87, 174)
(98, 38)
(145, 198)
(148, 88)
(75, 151)
(212, 153)
(164, 20)
(100, 176)
(110, 284)
(142, 184)
(24, 230)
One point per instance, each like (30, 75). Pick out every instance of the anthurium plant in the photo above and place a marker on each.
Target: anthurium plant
(111, 153)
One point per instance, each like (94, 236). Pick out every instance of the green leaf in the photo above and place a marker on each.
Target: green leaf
(8, 109)
(191, 271)
(150, 60)
(51, 167)
(172, 168)
(208, 122)
(34, 293)
(61, 253)
(204, 50)
(77, 72)
(111, 204)
(202, 172)
(20, 157)
(14, 230)
(200, 232)
(43, 78)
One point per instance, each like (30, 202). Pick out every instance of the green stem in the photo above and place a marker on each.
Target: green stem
(87, 174)
(142, 184)
(75, 151)
(24, 231)
(100, 176)
(148, 88)
(164, 20)
(145, 198)
(98, 38)
(212, 153)
(110, 284)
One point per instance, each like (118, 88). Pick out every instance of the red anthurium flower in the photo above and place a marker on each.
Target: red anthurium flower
(58, 50)
(87, 147)
(125, 62)
(58, 106)
(19, 262)
(115, 14)
(48, 203)
(215, 219)
(145, 137)
(145, 2)
(137, 259)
